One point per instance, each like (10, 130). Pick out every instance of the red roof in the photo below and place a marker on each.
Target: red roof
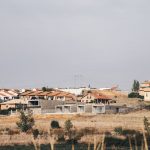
(100, 96)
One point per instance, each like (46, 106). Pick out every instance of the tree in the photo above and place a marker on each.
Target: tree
(68, 126)
(147, 125)
(35, 133)
(136, 85)
(26, 122)
(118, 130)
(44, 89)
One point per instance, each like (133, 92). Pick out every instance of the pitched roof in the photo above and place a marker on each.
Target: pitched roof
(26, 93)
(6, 93)
(100, 96)
(55, 93)
(44, 93)
(3, 95)
(35, 93)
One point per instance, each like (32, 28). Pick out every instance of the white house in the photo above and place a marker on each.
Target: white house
(147, 94)
(143, 86)
(76, 91)
(8, 94)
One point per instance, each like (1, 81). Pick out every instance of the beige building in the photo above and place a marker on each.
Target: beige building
(145, 90)
(147, 94)
(15, 103)
(95, 98)
(143, 86)
(48, 95)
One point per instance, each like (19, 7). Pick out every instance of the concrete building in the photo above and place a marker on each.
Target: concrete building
(98, 109)
(66, 108)
(40, 106)
(81, 108)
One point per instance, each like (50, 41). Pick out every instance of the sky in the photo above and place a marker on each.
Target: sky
(66, 43)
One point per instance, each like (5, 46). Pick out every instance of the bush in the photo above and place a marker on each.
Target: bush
(129, 132)
(118, 130)
(35, 133)
(135, 95)
(55, 124)
(68, 125)
(147, 125)
(88, 131)
(59, 134)
(26, 122)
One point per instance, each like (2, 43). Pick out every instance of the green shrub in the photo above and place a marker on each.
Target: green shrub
(147, 125)
(35, 133)
(55, 124)
(135, 95)
(118, 130)
(26, 122)
(68, 125)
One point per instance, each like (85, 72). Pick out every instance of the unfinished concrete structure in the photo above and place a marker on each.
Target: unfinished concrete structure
(98, 109)
(81, 108)
(59, 109)
(43, 106)
(91, 108)
(48, 106)
(66, 108)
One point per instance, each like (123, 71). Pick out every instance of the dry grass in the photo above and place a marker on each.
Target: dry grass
(121, 97)
(103, 123)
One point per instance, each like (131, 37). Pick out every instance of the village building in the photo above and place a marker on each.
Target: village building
(15, 103)
(143, 86)
(145, 90)
(75, 91)
(6, 94)
(41, 106)
(147, 94)
(48, 95)
(66, 108)
(95, 97)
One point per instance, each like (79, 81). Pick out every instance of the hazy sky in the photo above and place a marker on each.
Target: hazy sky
(49, 42)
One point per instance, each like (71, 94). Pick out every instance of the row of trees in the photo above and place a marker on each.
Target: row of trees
(135, 86)
(135, 90)
(46, 89)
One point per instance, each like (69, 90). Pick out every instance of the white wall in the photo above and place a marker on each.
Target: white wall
(76, 91)
(147, 96)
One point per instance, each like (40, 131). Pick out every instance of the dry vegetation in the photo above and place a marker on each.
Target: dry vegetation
(121, 97)
(102, 123)
(133, 120)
